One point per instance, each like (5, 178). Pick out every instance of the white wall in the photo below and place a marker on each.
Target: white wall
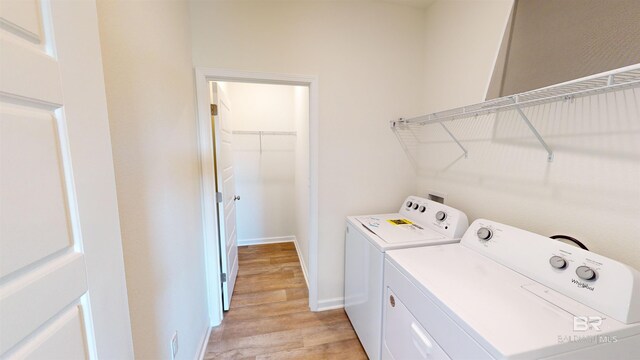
(150, 96)
(301, 115)
(264, 180)
(590, 190)
(462, 39)
(261, 107)
(369, 60)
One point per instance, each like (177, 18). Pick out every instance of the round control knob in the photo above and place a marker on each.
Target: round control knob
(423, 208)
(484, 233)
(558, 262)
(441, 215)
(586, 273)
(415, 206)
(409, 204)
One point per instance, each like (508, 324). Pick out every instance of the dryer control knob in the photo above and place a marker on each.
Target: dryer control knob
(441, 215)
(484, 233)
(558, 262)
(586, 273)
(409, 204)
(423, 208)
(415, 206)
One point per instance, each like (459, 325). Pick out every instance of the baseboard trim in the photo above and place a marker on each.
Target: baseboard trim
(331, 304)
(266, 240)
(303, 265)
(205, 342)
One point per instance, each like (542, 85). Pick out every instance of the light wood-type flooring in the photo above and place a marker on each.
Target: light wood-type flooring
(270, 318)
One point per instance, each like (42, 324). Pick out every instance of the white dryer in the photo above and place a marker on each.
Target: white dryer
(505, 293)
(420, 222)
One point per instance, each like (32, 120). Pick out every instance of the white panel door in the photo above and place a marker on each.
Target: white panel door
(62, 291)
(225, 184)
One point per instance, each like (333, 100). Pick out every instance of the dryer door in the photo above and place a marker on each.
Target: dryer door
(404, 337)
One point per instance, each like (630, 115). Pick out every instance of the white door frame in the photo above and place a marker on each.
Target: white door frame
(209, 215)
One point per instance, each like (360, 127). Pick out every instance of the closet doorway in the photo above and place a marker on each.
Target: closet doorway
(259, 166)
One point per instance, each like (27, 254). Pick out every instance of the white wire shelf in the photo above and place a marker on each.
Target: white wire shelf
(252, 132)
(615, 80)
(261, 133)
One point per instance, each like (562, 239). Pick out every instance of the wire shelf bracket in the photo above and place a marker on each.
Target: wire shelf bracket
(533, 130)
(466, 153)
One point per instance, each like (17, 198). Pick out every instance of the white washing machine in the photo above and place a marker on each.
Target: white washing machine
(420, 222)
(505, 293)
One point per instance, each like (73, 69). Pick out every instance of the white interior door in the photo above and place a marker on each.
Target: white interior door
(62, 290)
(225, 186)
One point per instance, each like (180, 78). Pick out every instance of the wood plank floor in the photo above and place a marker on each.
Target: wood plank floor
(270, 318)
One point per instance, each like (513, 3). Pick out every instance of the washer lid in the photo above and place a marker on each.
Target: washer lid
(394, 228)
(510, 314)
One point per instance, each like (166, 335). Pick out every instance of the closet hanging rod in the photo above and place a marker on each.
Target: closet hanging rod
(245, 132)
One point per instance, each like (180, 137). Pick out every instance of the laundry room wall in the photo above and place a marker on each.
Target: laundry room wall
(264, 178)
(151, 103)
(462, 39)
(589, 191)
(369, 60)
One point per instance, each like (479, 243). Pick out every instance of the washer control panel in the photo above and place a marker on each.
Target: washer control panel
(448, 221)
(577, 273)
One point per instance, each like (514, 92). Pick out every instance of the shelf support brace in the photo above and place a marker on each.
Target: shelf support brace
(534, 131)
(454, 139)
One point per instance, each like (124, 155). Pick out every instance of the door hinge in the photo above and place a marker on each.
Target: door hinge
(214, 109)
(219, 196)
(223, 276)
